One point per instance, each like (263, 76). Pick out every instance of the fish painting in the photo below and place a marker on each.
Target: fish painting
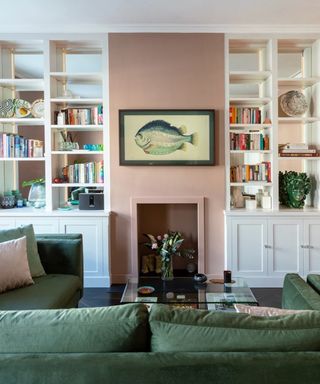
(158, 137)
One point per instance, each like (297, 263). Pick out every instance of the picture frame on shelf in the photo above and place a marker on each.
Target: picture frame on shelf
(166, 137)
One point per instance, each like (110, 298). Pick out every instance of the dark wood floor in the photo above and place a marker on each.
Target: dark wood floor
(104, 297)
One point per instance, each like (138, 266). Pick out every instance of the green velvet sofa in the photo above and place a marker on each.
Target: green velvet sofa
(298, 293)
(62, 259)
(126, 344)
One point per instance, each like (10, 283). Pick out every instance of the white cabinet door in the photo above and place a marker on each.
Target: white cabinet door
(249, 247)
(311, 246)
(95, 254)
(286, 254)
(41, 225)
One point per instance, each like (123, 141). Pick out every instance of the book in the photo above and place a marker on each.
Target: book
(298, 151)
(299, 154)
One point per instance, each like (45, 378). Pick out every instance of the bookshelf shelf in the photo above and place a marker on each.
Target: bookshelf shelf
(24, 121)
(248, 77)
(298, 120)
(77, 101)
(64, 185)
(75, 152)
(250, 101)
(301, 83)
(22, 159)
(77, 78)
(23, 84)
(250, 151)
(84, 128)
(251, 183)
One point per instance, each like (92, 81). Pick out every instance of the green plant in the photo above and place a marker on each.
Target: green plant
(28, 183)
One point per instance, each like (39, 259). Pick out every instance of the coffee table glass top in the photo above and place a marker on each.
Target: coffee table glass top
(184, 291)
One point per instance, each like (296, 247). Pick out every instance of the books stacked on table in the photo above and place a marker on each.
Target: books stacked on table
(297, 150)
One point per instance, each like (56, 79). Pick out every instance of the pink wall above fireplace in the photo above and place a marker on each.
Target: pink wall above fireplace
(159, 71)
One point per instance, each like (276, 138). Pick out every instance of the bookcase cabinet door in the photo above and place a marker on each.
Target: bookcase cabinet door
(95, 247)
(312, 247)
(248, 247)
(286, 254)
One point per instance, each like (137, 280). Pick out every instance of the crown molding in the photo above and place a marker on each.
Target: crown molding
(160, 28)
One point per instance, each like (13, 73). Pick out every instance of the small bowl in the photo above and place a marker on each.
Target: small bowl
(146, 290)
(200, 278)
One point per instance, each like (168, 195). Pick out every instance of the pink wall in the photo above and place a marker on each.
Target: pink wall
(150, 71)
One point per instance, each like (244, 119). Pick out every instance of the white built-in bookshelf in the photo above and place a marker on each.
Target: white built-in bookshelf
(72, 77)
(262, 245)
(70, 74)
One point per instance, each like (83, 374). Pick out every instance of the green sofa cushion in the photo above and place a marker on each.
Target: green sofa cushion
(35, 265)
(296, 294)
(191, 330)
(85, 330)
(314, 281)
(49, 291)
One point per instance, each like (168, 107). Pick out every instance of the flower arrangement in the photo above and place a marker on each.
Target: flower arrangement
(166, 246)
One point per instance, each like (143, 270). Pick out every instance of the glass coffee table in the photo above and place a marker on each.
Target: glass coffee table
(185, 292)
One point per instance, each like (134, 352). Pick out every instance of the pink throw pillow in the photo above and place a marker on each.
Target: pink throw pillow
(14, 266)
(265, 311)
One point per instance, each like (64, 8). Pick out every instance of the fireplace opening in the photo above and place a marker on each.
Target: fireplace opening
(184, 215)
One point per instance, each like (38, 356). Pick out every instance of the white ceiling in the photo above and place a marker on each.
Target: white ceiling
(159, 15)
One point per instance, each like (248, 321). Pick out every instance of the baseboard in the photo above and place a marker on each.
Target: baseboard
(264, 282)
(97, 282)
(120, 279)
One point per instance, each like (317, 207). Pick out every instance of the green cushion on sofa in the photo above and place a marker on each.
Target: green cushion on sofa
(110, 329)
(49, 291)
(35, 265)
(191, 330)
(314, 281)
(296, 294)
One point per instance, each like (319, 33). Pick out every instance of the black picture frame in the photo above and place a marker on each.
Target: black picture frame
(166, 136)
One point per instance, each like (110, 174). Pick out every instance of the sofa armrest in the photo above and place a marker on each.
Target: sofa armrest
(297, 294)
(61, 253)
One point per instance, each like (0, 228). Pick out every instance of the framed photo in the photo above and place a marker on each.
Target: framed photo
(166, 137)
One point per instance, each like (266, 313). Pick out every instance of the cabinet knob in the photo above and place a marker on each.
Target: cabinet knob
(267, 246)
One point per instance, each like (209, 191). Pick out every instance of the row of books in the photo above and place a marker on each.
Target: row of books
(257, 172)
(91, 172)
(244, 115)
(80, 116)
(297, 150)
(12, 145)
(249, 141)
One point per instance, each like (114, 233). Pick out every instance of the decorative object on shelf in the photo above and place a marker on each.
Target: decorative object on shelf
(166, 137)
(167, 246)
(293, 103)
(7, 108)
(37, 108)
(8, 200)
(251, 204)
(258, 198)
(22, 108)
(37, 192)
(266, 200)
(293, 188)
(237, 199)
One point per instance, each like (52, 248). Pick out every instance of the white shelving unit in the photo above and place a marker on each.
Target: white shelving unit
(263, 245)
(73, 74)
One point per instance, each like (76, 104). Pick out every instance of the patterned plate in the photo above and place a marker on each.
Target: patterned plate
(22, 108)
(37, 108)
(293, 103)
(7, 108)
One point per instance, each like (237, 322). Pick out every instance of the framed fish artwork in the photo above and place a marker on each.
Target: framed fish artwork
(166, 137)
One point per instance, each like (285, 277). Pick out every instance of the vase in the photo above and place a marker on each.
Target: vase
(167, 269)
(37, 195)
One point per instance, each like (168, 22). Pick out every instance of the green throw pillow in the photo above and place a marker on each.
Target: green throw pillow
(122, 328)
(191, 330)
(35, 265)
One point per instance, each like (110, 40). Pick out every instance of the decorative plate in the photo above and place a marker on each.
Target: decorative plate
(37, 108)
(293, 103)
(22, 108)
(7, 108)
(145, 290)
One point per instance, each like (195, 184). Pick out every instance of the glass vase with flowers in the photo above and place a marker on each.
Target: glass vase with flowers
(167, 246)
